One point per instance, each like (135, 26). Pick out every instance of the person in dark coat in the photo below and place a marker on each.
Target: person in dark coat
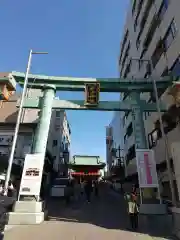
(96, 188)
(11, 190)
(88, 190)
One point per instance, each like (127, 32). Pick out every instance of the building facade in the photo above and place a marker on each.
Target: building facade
(151, 47)
(114, 144)
(58, 134)
(59, 141)
(109, 142)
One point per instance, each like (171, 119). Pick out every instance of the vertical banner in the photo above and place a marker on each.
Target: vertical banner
(32, 175)
(146, 167)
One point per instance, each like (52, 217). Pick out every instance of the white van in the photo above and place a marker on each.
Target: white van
(59, 186)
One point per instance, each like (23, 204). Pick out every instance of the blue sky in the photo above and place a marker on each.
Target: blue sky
(82, 38)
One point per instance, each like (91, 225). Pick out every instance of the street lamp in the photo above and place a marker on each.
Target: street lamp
(11, 157)
(162, 131)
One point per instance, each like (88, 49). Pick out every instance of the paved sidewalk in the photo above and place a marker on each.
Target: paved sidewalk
(104, 218)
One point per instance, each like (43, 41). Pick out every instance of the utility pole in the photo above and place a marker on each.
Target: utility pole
(18, 122)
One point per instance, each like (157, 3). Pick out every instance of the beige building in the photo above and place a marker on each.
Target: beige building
(152, 35)
(59, 133)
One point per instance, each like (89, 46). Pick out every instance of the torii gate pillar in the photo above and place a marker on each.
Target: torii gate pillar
(30, 210)
(138, 122)
(41, 135)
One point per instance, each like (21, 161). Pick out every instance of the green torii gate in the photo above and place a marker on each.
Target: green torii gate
(47, 102)
(51, 84)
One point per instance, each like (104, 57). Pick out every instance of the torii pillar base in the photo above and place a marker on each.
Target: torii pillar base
(26, 213)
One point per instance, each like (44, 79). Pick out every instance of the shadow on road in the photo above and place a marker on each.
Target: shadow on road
(108, 211)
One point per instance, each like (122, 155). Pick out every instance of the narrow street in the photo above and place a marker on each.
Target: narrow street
(104, 218)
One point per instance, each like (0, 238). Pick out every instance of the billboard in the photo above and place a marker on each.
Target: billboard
(32, 175)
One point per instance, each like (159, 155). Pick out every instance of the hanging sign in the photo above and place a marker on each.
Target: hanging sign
(146, 167)
(92, 91)
(32, 175)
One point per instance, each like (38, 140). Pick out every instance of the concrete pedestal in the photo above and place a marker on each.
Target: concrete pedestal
(176, 221)
(26, 213)
(154, 218)
(157, 209)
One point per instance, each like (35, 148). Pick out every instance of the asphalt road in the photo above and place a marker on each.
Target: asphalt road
(104, 218)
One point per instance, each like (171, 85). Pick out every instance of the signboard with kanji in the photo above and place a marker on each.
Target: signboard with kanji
(92, 94)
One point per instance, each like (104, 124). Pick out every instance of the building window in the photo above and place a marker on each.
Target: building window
(146, 75)
(146, 115)
(157, 53)
(55, 142)
(62, 146)
(125, 96)
(128, 69)
(131, 153)
(165, 72)
(123, 121)
(126, 54)
(145, 16)
(123, 44)
(138, 42)
(57, 127)
(139, 7)
(170, 35)
(58, 114)
(135, 24)
(133, 6)
(129, 130)
(125, 117)
(153, 138)
(175, 70)
(141, 60)
(154, 24)
(163, 9)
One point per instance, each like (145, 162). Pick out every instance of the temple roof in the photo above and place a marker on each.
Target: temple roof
(87, 160)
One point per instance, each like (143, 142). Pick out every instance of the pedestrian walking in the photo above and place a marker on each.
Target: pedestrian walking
(96, 188)
(11, 190)
(88, 190)
(82, 187)
(77, 190)
(68, 192)
(133, 208)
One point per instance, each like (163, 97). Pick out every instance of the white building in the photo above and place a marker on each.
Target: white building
(152, 33)
(114, 144)
(58, 139)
